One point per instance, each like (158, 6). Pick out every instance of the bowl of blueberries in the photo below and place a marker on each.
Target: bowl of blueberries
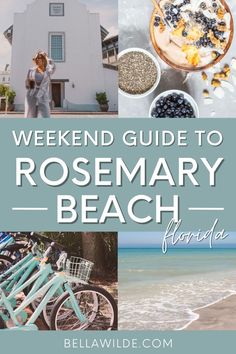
(174, 104)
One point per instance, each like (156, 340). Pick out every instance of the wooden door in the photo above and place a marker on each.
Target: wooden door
(56, 94)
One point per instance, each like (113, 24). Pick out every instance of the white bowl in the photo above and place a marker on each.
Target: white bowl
(158, 72)
(186, 95)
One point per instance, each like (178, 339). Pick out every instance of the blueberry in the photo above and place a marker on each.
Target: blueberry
(168, 18)
(184, 33)
(203, 5)
(217, 34)
(214, 5)
(174, 96)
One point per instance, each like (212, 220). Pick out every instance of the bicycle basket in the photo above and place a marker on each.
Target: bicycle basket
(79, 268)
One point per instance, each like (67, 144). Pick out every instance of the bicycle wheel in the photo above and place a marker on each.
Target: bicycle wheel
(2, 324)
(95, 303)
(47, 311)
(5, 262)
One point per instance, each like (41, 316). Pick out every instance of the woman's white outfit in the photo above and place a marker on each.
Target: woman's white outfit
(37, 101)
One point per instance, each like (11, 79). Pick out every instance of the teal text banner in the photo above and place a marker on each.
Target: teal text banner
(118, 342)
(117, 174)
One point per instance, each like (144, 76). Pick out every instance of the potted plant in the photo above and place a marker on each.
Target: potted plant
(7, 92)
(101, 98)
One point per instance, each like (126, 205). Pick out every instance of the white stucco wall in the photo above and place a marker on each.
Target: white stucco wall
(83, 51)
(111, 88)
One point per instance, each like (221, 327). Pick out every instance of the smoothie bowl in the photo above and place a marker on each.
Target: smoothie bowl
(191, 35)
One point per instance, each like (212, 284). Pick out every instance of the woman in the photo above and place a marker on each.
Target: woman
(37, 85)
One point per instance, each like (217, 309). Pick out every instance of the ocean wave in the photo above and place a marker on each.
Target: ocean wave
(170, 305)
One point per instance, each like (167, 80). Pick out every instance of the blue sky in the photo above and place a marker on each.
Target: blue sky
(108, 10)
(154, 239)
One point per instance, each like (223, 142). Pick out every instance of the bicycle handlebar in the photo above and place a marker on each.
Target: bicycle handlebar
(53, 246)
(36, 237)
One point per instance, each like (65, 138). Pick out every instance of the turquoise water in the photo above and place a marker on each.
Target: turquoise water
(158, 291)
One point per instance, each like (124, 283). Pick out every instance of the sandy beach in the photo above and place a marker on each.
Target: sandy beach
(219, 316)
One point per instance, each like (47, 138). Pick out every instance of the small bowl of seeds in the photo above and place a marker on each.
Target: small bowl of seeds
(139, 72)
(174, 104)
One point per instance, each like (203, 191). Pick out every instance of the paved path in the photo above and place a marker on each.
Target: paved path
(65, 115)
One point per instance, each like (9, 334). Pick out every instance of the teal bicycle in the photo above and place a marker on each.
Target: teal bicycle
(14, 249)
(79, 308)
(16, 275)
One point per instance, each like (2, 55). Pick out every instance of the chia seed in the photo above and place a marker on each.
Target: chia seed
(137, 73)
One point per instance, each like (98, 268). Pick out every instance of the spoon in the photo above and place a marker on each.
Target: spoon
(160, 12)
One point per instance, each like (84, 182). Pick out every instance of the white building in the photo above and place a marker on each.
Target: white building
(72, 36)
(5, 76)
(110, 50)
